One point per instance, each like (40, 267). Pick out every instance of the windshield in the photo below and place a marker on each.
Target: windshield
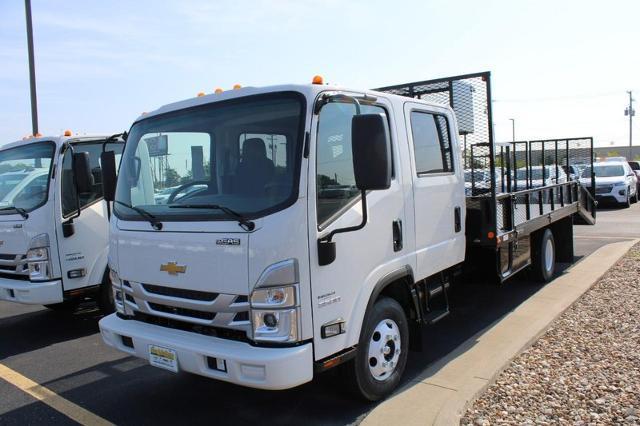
(242, 154)
(604, 171)
(24, 176)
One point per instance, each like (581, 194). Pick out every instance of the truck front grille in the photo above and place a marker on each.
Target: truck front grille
(217, 310)
(14, 264)
(173, 310)
(180, 292)
(223, 333)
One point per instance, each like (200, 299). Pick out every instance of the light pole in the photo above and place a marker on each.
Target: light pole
(32, 69)
(630, 112)
(513, 129)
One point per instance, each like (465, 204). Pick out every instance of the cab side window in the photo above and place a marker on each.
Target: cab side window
(335, 180)
(431, 143)
(69, 195)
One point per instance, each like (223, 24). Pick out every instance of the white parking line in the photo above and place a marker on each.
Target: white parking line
(53, 400)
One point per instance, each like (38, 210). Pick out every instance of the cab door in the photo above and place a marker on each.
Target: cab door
(83, 254)
(340, 290)
(438, 188)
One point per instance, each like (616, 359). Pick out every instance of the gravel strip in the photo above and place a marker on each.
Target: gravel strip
(584, 370)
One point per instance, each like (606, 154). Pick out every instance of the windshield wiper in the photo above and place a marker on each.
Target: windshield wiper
(155, 223)
(245, 223)
(20, 210)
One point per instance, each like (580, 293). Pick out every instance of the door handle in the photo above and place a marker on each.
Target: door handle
(457, 218)
(397, 235)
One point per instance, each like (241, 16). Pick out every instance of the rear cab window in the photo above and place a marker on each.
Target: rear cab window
(431, 143)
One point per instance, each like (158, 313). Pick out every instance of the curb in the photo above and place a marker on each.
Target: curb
(441, 394)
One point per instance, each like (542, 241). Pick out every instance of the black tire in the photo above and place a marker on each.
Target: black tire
(362, 379)
(68, 306)
(542, 270)
(104, 298)
(627, 203)
(635, 198)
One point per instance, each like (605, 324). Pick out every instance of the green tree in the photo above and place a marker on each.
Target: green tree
(172, 178)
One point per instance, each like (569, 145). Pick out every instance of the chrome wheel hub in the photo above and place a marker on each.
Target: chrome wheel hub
(384, 349)
(548, 255)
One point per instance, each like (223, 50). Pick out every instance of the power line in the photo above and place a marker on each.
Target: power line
(561, 98)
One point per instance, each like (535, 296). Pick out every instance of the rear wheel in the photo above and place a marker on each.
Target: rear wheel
(543, 257)
(382, 350)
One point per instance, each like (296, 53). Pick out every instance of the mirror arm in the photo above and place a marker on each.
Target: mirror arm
(328, 237)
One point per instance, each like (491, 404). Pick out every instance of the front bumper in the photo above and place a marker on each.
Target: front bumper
(31, 293)
(256, 367)
(618, 195)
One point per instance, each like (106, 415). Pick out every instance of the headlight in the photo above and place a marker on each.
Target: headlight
(619, 184)
(118, 296)
(274, 297)
(275, 314)
(38, 261)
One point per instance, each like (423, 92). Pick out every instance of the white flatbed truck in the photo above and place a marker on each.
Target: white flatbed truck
(53, 222)
(326, 228)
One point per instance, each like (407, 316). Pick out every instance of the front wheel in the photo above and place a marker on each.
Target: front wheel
(104, 298)
(382, 350)
(627, 203)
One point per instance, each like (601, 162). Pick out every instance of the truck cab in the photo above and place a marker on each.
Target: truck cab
(53, 222)
(317, 210)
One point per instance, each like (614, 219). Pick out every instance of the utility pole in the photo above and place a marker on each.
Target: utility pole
(630, 112)
(32, 70)
(513, 129)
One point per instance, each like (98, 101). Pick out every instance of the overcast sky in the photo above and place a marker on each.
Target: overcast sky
(560, 68)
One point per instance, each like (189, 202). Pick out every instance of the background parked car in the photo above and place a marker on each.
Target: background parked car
(536, 178)
(635, 166)
(615, 182)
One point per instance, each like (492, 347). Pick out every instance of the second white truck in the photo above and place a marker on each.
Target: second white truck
(54, 222)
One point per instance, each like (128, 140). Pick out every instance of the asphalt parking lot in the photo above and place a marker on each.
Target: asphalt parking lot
(65, 355)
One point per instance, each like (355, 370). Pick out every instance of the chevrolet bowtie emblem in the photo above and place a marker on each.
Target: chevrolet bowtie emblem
(173, 268)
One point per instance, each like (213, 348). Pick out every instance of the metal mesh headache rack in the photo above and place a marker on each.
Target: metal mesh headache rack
(508, 185)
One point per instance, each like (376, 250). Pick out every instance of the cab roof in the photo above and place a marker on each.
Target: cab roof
(309, 90)
(58, 140)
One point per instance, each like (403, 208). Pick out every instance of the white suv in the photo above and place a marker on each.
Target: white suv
(615, 181)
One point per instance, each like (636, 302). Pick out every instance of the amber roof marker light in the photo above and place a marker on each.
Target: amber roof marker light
(317, 79)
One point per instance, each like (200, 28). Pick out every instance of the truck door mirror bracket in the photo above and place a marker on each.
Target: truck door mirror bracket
(327, 248)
